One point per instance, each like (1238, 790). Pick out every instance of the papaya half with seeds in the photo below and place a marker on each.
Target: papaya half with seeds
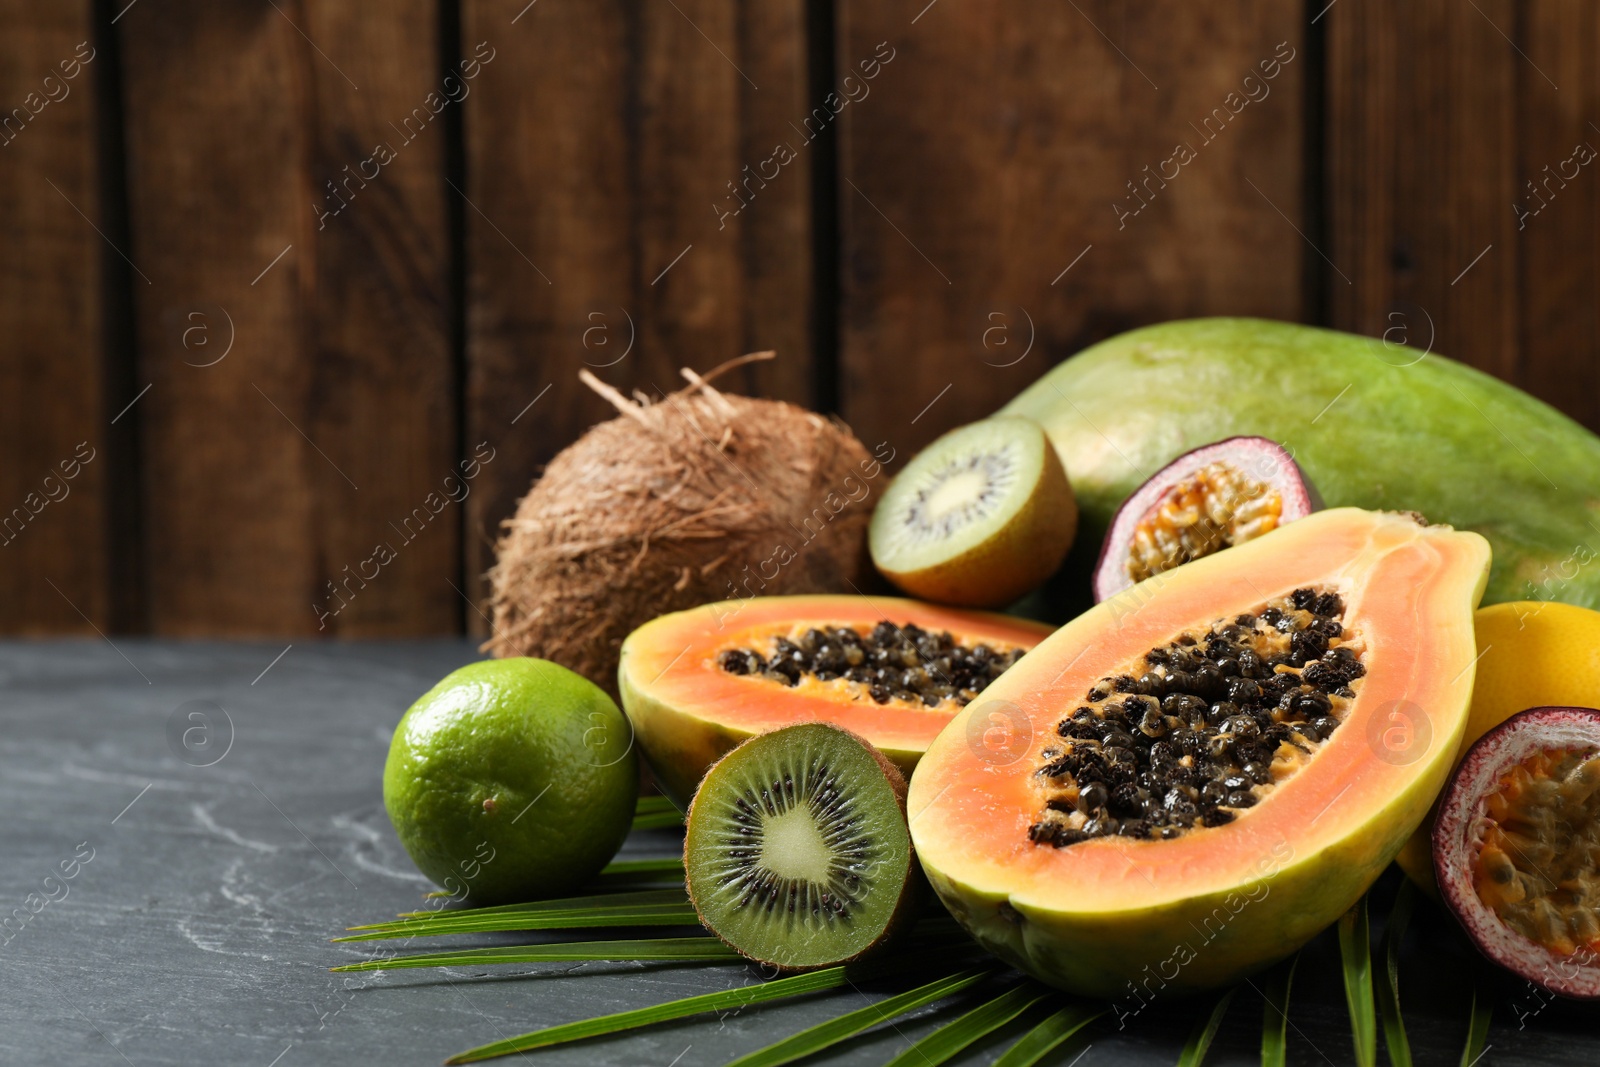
(1373, 424)
(1211, 767)
(696, 683)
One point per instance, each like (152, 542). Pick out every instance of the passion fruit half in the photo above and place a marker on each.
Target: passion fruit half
(1516, 848)
(1216, 496)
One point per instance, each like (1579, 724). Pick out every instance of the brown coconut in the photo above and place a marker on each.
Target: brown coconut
(685, 501)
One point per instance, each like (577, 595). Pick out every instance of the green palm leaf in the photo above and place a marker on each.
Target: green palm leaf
(1477, 1029)
(1387, 980)
(1044, 1038)
(634, 898)
(1355, 947)
(744, 996)
(584, 919)
(670, 949)
(1194, 1051)
(951, 1038)
(825, 1035)
(1275, 1015)
(627, 872)
(655, 813)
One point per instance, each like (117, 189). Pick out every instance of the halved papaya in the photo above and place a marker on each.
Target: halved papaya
(1215, 764)
(696, 683)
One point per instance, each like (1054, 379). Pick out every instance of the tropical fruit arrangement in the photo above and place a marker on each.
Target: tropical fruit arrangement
(1337, 613)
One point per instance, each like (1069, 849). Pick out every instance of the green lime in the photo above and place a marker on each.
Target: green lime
(512, 779)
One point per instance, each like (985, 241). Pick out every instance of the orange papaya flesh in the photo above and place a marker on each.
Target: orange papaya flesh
(687, 709)
(1134, 917)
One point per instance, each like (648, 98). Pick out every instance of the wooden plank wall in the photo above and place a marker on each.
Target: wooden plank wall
(54, 529)
(311, 256)
(1458, 205)
(264, 199)
(1003, 187)
(606, 136)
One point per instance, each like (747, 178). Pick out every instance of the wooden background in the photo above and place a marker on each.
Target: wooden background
(265, 386)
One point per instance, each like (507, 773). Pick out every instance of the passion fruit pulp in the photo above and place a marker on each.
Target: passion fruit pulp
(1211, 498)
(1516, 848)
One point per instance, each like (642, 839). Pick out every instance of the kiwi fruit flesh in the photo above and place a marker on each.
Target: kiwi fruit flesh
(979, 518)
(797, 851)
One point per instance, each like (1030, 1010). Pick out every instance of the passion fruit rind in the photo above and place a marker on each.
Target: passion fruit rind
(1211, 498)
(1516, 840)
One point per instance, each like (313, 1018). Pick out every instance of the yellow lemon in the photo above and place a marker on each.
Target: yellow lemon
(1532, 653)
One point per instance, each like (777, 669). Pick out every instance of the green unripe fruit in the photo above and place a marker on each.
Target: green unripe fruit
(510, 780)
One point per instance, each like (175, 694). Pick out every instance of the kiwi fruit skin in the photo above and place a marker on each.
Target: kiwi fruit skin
(911, 891)
(1014, 560)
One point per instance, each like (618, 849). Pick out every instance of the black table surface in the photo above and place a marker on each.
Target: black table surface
(208, 870)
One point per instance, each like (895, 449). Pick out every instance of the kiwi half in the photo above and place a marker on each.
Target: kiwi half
(978, 518)
(797, 851)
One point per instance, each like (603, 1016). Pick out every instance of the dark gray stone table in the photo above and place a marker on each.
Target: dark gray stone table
(193, 927)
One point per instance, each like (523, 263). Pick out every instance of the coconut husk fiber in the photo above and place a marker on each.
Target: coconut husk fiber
(697, 497)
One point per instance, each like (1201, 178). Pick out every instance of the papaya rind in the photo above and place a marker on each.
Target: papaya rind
(1374, 424)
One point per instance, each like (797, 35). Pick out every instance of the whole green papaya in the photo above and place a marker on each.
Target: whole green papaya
(1374, 425)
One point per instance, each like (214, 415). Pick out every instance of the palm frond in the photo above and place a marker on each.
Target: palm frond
(744, 996)
(1194, 1050)
(582, 919)
(1275, 1015)
(655, 813)
(981, 1021)
(665, 949)
(598, 900)
(1048, 1035)
(825, 1035)
(1355, 949)
(1387, 980)
(1477, 1028)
